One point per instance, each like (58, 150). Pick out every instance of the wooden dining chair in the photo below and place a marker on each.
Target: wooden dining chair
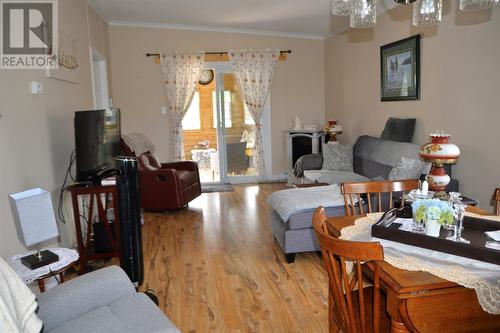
(375, 193)
(346, 311)
(496, 199)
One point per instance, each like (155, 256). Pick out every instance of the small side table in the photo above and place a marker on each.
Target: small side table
(67, 257)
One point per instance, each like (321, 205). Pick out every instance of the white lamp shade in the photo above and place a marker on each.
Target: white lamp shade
(34, 216)
(336, 128)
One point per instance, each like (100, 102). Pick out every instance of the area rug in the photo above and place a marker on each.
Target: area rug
(208, 188)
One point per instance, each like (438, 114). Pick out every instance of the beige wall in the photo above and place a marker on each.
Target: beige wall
(460, 85)
(297, 90)
(36, 131)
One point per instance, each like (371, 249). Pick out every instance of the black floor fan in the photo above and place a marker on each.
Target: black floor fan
(127, 181)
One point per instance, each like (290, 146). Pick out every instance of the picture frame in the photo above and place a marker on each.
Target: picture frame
(400, 70)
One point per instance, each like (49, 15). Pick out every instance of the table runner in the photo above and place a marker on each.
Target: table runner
(483, 277)
(66, 257)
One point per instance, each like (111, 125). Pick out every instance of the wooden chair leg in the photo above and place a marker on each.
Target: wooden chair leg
(332, 325)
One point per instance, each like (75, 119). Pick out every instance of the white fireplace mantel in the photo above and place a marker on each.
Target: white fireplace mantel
(315, 136)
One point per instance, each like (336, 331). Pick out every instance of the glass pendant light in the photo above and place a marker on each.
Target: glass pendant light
(363, 14)
(341, 7)
(427, 12)
(469, 5)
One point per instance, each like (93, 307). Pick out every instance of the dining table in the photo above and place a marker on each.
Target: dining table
(418, 301)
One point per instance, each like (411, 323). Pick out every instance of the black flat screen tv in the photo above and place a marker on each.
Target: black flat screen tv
(97, 143)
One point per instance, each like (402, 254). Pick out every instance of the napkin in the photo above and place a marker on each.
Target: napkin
(494, 234)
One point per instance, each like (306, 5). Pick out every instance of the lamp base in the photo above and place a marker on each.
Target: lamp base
(33, 261)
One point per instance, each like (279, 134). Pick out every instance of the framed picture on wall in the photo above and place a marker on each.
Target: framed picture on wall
(400, 70)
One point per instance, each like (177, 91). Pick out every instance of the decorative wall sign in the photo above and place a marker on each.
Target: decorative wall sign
(400, 70)
(67, 58)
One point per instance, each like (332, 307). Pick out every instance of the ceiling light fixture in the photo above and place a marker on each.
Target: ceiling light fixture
(363, 13)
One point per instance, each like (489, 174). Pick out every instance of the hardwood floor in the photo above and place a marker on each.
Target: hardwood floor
(216, 267)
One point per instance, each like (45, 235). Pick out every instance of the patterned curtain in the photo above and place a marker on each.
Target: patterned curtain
(181, 73)
(254, 70)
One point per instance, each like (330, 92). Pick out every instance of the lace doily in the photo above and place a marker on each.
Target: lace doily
(483, 277)
(66, 257)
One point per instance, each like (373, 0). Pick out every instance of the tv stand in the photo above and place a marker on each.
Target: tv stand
(101, 198)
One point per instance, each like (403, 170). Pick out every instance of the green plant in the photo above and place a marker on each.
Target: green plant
(432, 209)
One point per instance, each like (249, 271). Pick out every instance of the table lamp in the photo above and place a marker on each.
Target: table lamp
(439, 152)
(332, 129)
(35, 223)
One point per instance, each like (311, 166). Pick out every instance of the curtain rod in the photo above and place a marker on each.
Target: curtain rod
(221, 53)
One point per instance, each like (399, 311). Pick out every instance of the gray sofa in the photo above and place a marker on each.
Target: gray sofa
(373, 159)
(101, 301)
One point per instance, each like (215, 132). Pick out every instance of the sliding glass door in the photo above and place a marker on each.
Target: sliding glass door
(236, 130)
(219, 132)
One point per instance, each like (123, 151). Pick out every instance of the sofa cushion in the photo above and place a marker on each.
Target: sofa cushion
(132, 314)
(337, 157)
(407, 168)
(99, 320)
(138, 313)
(384, 152)
(334, 177)
(187, 178)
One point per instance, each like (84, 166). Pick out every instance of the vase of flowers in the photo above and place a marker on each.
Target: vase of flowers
(434, 213)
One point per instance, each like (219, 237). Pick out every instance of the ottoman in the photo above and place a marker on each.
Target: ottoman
(291, 216)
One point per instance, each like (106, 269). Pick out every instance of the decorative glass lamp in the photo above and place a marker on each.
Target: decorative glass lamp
(472, 5)
(439, 152)
(341, 7)
(332, 129)
(363, 14)
(427, 12)
(35, 223)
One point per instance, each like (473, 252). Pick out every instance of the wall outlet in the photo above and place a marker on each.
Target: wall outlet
(36, 88)
(163, 109)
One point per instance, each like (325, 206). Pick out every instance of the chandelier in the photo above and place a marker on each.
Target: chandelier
(363, 13)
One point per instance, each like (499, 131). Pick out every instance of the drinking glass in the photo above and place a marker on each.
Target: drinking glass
(455, 197)
(460, 210)
(416, 227)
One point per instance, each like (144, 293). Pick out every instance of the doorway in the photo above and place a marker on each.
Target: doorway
(100, 80)
(219, 132)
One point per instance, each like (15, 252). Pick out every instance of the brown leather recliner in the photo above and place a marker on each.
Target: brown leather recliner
(165, 186)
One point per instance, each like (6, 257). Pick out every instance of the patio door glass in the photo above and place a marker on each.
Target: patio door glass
(236, 130)
(219, 132)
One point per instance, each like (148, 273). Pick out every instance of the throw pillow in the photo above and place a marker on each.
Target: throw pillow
(406, 168)
(337, 157)
(400, 130)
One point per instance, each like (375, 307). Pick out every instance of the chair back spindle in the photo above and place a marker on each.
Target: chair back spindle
(350, 313)
(496, 198)
(375, 193)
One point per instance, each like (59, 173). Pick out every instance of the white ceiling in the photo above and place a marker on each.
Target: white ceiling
(301, 18)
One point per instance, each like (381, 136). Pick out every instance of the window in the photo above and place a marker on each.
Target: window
(227, 109)
(248, 116)
(191, 120)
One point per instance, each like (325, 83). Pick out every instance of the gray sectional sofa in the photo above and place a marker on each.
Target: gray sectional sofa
(373, 159)
(101, 301)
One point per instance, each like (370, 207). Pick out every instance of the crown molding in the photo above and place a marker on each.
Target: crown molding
(382, 7)
(214, 29)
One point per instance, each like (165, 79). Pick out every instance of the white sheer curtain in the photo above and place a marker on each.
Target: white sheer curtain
(181, 73)
(254, 70)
